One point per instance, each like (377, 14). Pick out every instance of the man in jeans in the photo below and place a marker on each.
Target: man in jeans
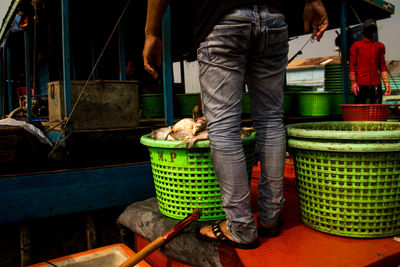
(240, 40)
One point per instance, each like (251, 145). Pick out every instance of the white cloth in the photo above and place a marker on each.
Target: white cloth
(28, 127)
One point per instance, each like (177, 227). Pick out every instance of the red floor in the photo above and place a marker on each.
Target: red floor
(299, 245)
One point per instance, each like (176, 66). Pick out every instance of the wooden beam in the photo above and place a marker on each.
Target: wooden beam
(64, 192)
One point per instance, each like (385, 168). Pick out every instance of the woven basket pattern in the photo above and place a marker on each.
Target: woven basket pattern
(185, 179)
(349, 194)
(365, 112)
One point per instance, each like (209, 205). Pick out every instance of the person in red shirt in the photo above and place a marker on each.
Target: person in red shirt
(368, 66)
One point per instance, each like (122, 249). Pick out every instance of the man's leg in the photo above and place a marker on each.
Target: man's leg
(222, 60)
(265, 77)
(376, 94)
(363, 95)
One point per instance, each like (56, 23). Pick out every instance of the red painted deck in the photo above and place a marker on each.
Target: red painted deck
(299, 245)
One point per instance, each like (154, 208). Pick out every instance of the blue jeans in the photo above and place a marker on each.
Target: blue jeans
(249, 45)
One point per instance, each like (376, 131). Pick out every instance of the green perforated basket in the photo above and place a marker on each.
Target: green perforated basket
(348, 177)
(314, 103)
(185, 179)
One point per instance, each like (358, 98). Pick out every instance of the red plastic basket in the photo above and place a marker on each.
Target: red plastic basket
(365, 112)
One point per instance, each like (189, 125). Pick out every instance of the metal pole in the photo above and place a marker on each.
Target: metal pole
(10, 104)
(343, 34)
(121, 50)
(66, 57)
(182, 65)
(28, 76)
(167, 68)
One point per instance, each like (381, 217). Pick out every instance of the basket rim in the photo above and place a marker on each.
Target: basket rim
(365, 105)
(147, 141)
(307, 130)
(346, 147)
(314, 92)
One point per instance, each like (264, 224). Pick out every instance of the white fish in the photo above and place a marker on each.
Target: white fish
(187, 124)
(161, 133)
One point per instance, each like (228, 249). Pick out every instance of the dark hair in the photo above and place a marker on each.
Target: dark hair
(370, 26)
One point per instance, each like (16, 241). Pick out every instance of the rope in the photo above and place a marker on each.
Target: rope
(56, 145)
(355, 13)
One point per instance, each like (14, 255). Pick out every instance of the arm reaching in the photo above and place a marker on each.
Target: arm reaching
(152, 44)
(315, 14)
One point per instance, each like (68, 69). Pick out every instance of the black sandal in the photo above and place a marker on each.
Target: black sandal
(223, 239)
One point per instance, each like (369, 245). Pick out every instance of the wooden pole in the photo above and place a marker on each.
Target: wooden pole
(25, 244)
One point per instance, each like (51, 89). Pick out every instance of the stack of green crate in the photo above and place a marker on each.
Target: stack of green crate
(333, 83)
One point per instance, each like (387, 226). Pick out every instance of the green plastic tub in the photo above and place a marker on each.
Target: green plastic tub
(337, 99)
(314, 103)
(246, 107)
(288, 100)
(348, 176)
(151, 105)
(185, 179)
(186, 103)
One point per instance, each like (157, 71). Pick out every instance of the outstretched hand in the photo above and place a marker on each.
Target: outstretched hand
(316, 15)
(152, 54)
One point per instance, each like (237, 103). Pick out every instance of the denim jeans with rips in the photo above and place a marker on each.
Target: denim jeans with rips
(247, 45)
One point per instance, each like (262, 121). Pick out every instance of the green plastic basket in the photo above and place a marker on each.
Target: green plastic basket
(151, 105)
(185, 179)
(186, 103)
(288, 100)
(314, 103)
(348, 177)
(246, 107)
(336, 100)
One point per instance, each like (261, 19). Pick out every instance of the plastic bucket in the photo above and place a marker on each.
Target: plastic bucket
(151, 105)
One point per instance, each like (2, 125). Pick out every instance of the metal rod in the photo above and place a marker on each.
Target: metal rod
(167, 68)
(66, 57)
(343, 44)
(28, 75)
(10, 103)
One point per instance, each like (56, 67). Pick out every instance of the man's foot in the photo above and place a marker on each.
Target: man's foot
(269, 230)
(218, 232)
